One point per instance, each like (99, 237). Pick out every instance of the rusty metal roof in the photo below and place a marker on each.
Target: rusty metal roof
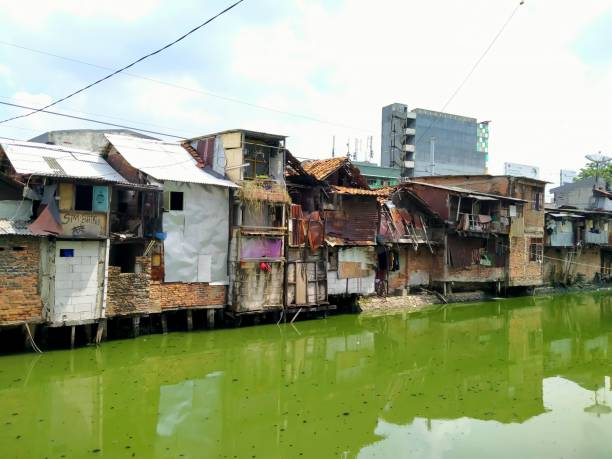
(18, 228)
(467, 193)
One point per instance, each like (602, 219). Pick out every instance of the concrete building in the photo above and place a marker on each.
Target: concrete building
(86, 139)
(422, 142)
(378, 176)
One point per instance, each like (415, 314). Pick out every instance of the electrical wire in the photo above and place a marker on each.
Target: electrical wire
(112, 74)
(474, 67)
(90, 120)
(193, 90)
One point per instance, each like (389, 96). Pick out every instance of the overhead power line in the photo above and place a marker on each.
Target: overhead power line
(190, 89)
(112, 74)
(474, 67)
(91, 120)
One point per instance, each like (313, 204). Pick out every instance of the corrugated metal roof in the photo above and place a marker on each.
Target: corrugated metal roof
(19, 228)
(464, 191)
(164, 160)
(33, 158)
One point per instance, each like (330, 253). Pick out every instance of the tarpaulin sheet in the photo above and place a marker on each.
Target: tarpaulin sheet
(260, 248)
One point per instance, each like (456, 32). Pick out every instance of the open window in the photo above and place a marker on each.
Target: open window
(83, 197)
(173, 200)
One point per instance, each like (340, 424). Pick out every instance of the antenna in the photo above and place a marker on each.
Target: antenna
(599, 160)
(333, 146)
(371, 150)
(348, 148)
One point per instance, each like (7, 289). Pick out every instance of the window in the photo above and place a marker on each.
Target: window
(535, 250)
(332, 259)
(173, 200)
(258, 159)
(83, 198)
(66, 253)
(537, 201)
(176, 200)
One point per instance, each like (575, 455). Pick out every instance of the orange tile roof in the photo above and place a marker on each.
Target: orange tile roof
(323, 168)
(383, 192)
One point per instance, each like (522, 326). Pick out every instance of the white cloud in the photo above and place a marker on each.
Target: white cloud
(36, 12)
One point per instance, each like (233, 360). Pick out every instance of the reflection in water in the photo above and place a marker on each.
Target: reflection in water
(530, 375)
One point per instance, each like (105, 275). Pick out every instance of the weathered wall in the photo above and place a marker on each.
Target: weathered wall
(416, 268)
(355, 274)
(556, 270)
(19, 267)
(178, 295)
(130, 293)
(523, 272)
(255, 289)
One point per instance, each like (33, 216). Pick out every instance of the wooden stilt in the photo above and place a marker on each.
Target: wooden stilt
(72, 336)
(101, 331)
(189, 320)
(210, 318)
(164, 323)
(136, 326)
(88, 333)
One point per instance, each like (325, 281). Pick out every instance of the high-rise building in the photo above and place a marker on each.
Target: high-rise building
(424, 142)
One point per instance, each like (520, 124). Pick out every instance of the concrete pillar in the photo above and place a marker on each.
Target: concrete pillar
(72, 336)
(210, 318)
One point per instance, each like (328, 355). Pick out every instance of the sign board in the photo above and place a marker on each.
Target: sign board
(83, 224)
(567, 176)
(521, 170)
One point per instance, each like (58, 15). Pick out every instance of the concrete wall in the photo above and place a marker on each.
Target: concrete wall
(78, 282)
(19, 267)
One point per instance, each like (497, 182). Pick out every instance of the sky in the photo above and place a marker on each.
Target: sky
(322, 68)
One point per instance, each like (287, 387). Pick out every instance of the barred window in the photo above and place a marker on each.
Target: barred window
(536, 249)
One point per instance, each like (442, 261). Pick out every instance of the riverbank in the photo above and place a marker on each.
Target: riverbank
(430, 300)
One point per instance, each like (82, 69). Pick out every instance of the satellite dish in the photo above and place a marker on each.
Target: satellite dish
(598, 158)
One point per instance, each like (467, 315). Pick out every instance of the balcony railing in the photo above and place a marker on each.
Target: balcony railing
(600, 238)
(481, 224)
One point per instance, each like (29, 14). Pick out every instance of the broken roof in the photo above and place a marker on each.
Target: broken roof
(31, 158)
(322, 169)
(10, 227)
(359, 191)
(164, 160)
(483, 176)
(467, 193)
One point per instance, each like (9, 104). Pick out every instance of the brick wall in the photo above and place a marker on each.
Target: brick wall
(173, 295)
(130, 293)
(415, 268)
(522, 271)
(19, 274)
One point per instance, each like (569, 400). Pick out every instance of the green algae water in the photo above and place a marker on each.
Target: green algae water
(526, 377)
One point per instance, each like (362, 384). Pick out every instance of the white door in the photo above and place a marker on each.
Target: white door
(76, 281)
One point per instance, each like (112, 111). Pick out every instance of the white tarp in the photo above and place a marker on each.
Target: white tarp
(195, 249)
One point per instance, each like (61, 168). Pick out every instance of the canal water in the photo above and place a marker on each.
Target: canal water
(526, 377)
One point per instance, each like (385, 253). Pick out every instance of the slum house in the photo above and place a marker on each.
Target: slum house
(476, 239)
(577, 246)
(350, 212)
(526, 236)
(188, 269)
(66, 201)
(255, 161)
(306, 273)
(410, 236)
